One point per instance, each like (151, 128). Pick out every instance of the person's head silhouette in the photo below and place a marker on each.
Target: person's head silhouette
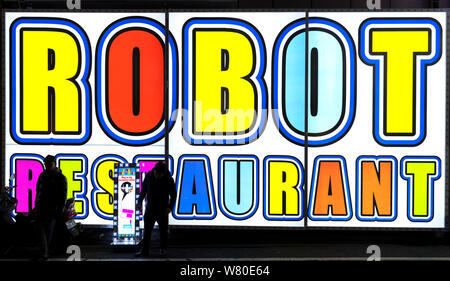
(50, 163)
(159, 170)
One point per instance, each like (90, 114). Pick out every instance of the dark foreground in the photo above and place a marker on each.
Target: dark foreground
(236, 254)
(94, 244)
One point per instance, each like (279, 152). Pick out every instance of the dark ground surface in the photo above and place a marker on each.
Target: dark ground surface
(253, 244)
(285, 254)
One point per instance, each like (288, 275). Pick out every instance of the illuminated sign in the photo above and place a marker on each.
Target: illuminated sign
(275, 120)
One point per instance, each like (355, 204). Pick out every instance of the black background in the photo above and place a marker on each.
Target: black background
(225, 4)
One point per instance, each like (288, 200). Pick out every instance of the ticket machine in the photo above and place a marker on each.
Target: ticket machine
(126, 226)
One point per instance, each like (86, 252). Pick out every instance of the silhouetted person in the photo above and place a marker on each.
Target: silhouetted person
(158, 186)
(51, 194)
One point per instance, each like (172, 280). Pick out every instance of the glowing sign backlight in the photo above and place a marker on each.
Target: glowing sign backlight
(339, 120)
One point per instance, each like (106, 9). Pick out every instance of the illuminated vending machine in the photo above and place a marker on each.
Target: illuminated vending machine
(126, 228)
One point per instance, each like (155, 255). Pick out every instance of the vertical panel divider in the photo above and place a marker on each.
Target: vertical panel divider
(305, 192)
(166, 87)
